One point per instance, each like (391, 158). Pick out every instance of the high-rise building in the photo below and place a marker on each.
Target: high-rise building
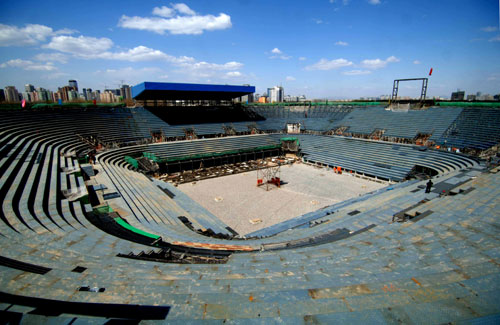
(2, 95)
(29, 88)
(126, 92)
(73, 84)
(11, 94)
(73, 95)
(276, 94)
(43, 95)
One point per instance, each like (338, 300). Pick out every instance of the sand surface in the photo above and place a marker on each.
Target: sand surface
(236, 199)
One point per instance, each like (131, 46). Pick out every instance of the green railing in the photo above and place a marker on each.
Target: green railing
(469, 104)
(332, 103)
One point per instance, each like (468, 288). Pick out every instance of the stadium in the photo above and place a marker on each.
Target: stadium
(94, 229)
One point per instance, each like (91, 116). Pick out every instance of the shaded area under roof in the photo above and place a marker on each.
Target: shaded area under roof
(184, 91)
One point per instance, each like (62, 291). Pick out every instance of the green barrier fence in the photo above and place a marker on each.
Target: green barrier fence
(333, 103)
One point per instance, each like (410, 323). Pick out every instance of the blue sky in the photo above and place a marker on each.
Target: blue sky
(320, 48)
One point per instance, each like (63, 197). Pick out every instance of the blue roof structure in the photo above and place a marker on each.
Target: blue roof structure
(187, 91)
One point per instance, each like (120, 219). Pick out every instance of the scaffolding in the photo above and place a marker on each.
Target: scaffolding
(269, 176)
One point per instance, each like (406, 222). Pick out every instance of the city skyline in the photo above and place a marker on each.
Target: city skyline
(328, 49)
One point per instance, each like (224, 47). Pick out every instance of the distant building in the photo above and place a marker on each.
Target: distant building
(73, 95)
(2, 95)
(43, 95)
(263, 99)
(458, 95)
(29, 88)
(73, 84)
(11, 94)
(276, 94)
(108, 96)
(471, 97)
(291, 99)
(126, 92)
(28, 97)
(496, 97)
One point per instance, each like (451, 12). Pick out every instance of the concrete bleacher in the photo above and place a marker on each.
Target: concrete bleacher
(473, 128)
(377, 159)
(401, 124)
(440, 268)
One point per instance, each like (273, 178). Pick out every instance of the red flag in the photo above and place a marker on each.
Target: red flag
(430, 72)
(23, 103)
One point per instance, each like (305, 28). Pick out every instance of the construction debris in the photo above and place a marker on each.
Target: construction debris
(188, 176)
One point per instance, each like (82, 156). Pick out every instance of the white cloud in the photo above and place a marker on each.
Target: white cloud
(302, 58)
(163, 11)
(489, 29)
(495, 39)
(318, 21)
(392, 58)
(138, 53)
(233, 74)
(416, 62)
(290, 78)
(82, 46)
(31, 34)
(325, 64)
(374, 2)
(51, 57)
(186, 22)
(340, 43)
(99, 48)
(278, 54)
(356, 72)
(378, 63)
(184, 9)
(28, 65)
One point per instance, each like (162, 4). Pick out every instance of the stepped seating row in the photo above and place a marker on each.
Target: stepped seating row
(442, 268)
(379, 159)
(427, 271)
(401, 124)
(300, 112)
(473, 128)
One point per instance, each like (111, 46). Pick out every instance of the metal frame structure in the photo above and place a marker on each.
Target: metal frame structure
(269, 176)
(395, 87)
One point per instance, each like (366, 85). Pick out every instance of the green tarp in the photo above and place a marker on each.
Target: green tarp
(131, 161)
(103, 209)
(218, 154)
(150, 156)
(290, 139)
(125, 225)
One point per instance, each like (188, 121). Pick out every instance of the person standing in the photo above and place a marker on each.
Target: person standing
(429, 186)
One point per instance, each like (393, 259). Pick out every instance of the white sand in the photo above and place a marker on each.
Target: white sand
(236, 199)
